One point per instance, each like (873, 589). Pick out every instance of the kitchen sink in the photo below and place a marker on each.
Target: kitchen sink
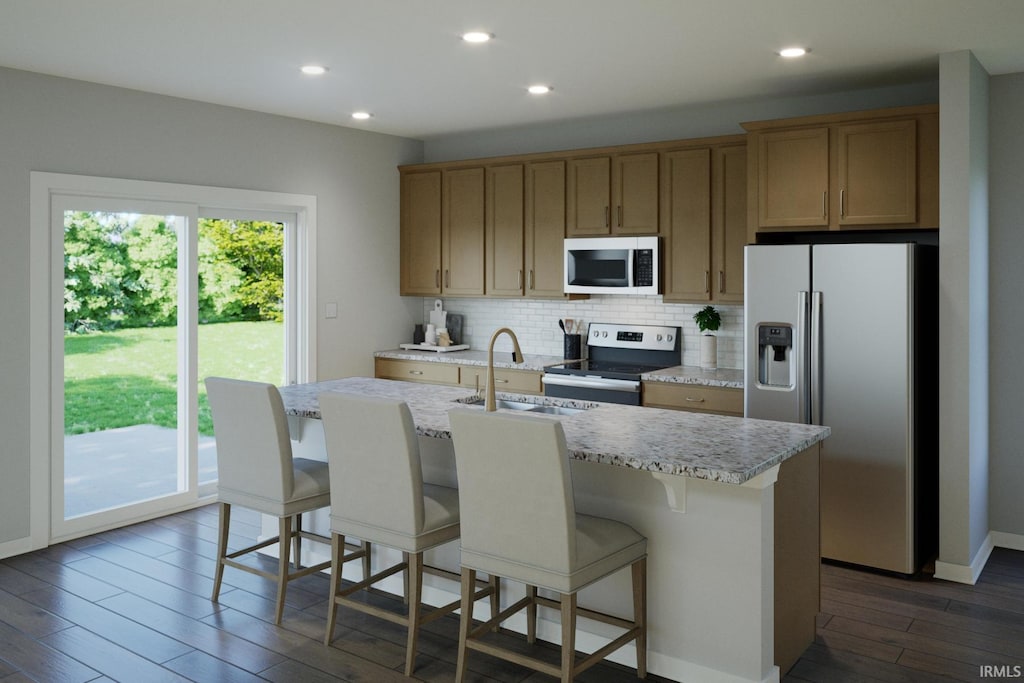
(527, 406)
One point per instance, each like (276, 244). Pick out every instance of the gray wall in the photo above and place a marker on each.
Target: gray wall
(65, 126)
(1006, 224)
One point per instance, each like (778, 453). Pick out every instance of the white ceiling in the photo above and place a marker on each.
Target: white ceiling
(403, 59)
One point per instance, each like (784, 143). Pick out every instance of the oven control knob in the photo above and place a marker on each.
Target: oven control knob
(604, 334)
(659, 337)
(596, 334)
(668, 338)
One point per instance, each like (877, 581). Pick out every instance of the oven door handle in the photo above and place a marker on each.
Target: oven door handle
(587, 382)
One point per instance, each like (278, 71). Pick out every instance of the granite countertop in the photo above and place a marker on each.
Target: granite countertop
(685, 374)
(680, 374)
(732, 450)
(502, 359)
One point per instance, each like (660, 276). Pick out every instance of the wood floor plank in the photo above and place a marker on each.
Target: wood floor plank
(865, 614)
(216, 642)
(16, 582)
(1013, 648)
(838, 640)
(203, 668)
(62, 576)
(109, 658)
(833, 659)
(948, 668)
(27, 617)
(910, 641)
(39, 661)
(191, 604)
(142, 640)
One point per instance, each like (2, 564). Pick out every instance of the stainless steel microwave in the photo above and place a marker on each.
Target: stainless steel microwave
(612, 265)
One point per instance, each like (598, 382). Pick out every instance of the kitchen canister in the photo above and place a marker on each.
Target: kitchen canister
(431, 335)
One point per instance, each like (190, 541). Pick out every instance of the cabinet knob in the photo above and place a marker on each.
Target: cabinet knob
(415, 372)
(437, 278)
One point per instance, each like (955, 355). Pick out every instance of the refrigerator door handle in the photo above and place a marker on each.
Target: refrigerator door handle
(815, 356)
(800, 354)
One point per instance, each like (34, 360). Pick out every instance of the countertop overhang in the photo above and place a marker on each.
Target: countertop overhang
(730, 450)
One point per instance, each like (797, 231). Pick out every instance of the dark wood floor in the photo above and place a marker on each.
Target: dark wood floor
(133, 605)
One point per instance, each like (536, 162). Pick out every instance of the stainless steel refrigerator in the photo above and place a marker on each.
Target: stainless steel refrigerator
(845, 335)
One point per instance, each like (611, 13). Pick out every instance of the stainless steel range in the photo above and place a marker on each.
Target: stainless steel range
(617, 355)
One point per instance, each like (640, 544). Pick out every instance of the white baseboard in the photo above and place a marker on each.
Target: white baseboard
(1002, 539)
(966, 573)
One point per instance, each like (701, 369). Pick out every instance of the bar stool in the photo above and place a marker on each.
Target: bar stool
(519, 521)
(256, 470)
(378, 495)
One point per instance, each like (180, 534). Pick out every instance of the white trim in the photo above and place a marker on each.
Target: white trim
(44, 323)
(1003, 539)
(966, 573)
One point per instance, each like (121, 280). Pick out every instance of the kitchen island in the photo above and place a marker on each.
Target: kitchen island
(729, 506)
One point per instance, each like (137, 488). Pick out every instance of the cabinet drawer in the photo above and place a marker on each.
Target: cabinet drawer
(693, 397)
(516, 381)
(417, 371)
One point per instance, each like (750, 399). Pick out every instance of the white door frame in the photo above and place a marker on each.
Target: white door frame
(47, 324)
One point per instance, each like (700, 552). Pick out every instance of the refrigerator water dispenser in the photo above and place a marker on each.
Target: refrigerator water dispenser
(774, 356)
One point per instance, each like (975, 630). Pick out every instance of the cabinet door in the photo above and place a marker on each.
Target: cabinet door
(635, 194)
(416, 371)
(545, 229)
(504, 230)
(877, 173)
(462, 236)
(686, 179)
(420, 233)
(728, 222)
(589, 196)
(792, 177)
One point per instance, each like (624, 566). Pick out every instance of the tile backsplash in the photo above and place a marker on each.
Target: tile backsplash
(535, 322)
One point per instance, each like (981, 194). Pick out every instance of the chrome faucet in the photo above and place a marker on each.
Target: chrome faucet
(490, 403)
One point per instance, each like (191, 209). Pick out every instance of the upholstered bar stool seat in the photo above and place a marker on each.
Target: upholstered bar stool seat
(520, 523)
(255, 469)
(379, 496)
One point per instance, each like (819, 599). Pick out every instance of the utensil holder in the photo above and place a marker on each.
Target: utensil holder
(571, 347)
(418, 335)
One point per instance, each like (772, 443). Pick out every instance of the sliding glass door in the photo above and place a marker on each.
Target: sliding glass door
(156, 297)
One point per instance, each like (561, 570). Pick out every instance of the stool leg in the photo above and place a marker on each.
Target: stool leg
(531, 615)
(405, 579)
(568, 636)
(297, 553)
(495, 582)
(640, 614)
(415, 588)
(465, 620)
(366, 559)
(337, 549)
(222, 548)
(284, 545)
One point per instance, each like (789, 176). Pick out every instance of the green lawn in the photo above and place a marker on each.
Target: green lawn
(129, 377)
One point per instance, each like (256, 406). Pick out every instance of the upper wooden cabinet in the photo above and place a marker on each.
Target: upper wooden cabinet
(875, 169)
(421, 233)
(615, 194)
(544, 228)
(704, 221)
(728, 222)
(504, 231)
(462, 232)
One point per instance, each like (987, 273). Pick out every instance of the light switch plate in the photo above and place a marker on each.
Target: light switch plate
(331, 310)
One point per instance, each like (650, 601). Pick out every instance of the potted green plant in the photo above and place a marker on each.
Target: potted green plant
(708, 320)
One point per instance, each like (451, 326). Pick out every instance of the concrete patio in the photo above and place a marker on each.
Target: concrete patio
(118, 467)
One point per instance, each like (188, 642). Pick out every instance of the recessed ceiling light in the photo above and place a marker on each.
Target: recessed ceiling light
(539, 89)
(361, 115)
(314, 70)
(477, 36)
(791, 52)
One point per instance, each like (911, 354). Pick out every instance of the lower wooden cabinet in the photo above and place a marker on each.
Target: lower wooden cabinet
(454, 374)
(515, 381)
(417, 371)
(693, 397)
